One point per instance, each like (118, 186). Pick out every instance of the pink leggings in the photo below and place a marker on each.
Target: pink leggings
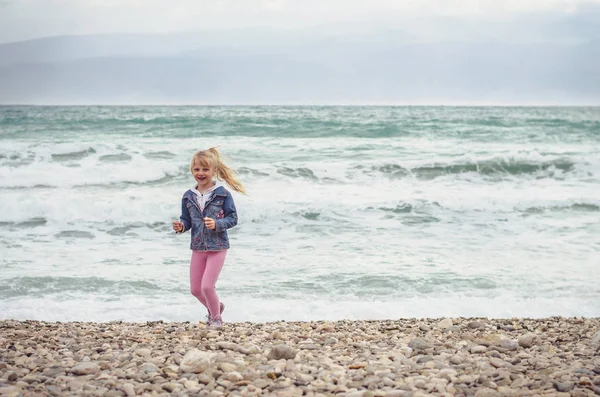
(205, 267)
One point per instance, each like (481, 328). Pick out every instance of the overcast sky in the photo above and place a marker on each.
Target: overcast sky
(429, 19)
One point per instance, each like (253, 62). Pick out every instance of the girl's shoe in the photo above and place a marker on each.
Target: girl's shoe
(208, 315)
(215, 323)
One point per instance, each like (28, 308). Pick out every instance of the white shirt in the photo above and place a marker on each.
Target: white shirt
(203, 198)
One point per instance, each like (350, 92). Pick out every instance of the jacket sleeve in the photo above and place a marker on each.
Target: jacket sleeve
(185, 217)
(229, 219)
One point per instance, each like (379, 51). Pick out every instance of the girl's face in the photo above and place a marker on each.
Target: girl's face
(203, 174)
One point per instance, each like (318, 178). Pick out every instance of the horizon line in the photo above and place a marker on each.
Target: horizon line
(288, 104)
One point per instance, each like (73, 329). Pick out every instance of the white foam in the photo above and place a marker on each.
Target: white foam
(139, 309)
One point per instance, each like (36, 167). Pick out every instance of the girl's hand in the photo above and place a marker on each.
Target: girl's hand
(210, 223)
(178, 227)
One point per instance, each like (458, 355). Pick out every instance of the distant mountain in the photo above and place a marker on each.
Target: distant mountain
(64, 48)
(179, 68)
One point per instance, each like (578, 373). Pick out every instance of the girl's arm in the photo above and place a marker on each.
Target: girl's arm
(229, 219)
(185, 217)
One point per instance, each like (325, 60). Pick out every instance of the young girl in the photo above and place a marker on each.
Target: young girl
(208, 210)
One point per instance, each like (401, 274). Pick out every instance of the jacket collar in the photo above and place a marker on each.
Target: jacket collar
(218, 192)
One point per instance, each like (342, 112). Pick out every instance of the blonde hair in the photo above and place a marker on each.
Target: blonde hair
(212, 158)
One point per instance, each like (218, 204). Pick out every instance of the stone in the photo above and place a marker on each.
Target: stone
(308, 346)
(456, 360)
(419, 344)
(196, 361)
(282, 351)
(478, 349)
(508, 344)
(250, 349)
(148, 368)
(490, 340)
(486, 392)
(424, 359)
(190, 384)
(261, 383)
(227, 367)
(85, 368)
(30, 379)
(527, 340)
(128, 389)
(498, 363)
(563, 386)
(54, 371)
(170, 386)
(445, 323)
(204, 378)
(10, 391)
(360, 393)
(233, 376)
(227, 346)
(114, 393)
(326, 327)
(143, 352)
(476, 324)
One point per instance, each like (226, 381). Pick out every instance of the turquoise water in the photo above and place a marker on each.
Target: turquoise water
(352, 212)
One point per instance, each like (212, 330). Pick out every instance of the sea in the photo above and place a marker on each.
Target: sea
(360, 213)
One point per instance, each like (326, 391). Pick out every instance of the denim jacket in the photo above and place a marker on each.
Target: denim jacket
(221, 208)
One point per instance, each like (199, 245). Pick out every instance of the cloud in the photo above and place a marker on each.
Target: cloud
(330, 8)
(26, 19)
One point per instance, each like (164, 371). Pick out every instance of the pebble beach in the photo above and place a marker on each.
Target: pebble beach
(407, 357)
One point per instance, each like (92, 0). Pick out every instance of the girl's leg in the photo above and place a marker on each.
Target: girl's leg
(214, 264)
(197, 273)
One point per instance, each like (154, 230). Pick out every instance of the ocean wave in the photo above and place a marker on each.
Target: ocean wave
(111, 173)
(251, 171)
(49, 285)
(493, 167)
(70, 156)
(301, 172)
(576, 207)
(115, 158)
(123, 183)
(161, 154)
(373, 285)
(129, 228)
(28, 223)
(75, 234)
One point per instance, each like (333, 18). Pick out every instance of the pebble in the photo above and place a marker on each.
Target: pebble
(476, 325)
(389, 358)
(419, 344)
(281, 351)
(85, 368)
(527, 340)
(478, 349)
(445, 323)
(196, 361)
